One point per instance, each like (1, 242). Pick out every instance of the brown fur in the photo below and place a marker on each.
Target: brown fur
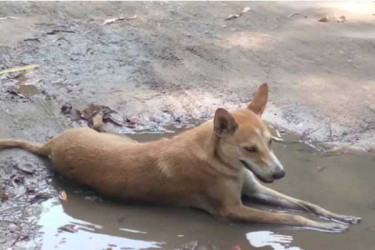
(200, 168)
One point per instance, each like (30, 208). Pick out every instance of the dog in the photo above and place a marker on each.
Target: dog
(209, 167)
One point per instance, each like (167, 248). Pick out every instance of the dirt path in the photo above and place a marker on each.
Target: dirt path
(180, 61)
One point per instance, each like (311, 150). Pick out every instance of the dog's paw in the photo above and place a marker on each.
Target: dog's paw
(348, 219)
(333, 227)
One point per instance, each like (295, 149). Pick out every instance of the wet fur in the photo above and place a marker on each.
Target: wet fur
(197, 168)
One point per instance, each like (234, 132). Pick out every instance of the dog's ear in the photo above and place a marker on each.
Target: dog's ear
(259, 101)
(224, 123)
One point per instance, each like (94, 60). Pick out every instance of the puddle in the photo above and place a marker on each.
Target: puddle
(341, 183)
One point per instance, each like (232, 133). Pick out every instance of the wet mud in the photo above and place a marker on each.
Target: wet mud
(339, 182)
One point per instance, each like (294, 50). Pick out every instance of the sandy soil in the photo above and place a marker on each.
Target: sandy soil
(180, 61)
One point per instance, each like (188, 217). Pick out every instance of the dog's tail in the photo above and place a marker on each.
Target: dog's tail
(40, 149)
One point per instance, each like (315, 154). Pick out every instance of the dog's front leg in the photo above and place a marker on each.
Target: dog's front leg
(253, 189)
(242, 213)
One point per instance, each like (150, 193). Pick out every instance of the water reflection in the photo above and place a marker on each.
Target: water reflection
(87, 235)
(270, 239)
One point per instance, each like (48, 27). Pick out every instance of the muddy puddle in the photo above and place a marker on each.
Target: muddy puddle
(342, 183)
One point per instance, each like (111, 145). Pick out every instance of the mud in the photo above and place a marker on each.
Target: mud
(175, 63)
(341, 183)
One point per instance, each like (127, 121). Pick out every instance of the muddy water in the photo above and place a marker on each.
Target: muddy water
(342, 183)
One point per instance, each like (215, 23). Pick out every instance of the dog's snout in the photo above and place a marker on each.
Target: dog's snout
(279, 174)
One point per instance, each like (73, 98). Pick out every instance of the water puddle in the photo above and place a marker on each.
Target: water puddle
(342, 183)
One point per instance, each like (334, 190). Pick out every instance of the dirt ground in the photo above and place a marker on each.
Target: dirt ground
(174, 63)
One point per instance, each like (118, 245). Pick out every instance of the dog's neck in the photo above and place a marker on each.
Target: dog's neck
(202, 145)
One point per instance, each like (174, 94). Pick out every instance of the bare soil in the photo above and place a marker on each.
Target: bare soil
(173, 64)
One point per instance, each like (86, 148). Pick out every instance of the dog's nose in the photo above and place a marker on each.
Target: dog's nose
(279, 174)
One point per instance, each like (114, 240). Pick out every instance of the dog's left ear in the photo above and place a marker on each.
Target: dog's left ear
(259, 101)
(224, 123)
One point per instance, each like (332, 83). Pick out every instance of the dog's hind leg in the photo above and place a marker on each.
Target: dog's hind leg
(253, 189)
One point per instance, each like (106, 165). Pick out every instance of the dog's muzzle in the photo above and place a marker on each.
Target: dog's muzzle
(265, 180)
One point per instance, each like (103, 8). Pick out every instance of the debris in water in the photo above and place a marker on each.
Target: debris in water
(63, 196)
(112, 20)
(15, 69)
(40, 198)
(68, 228)
(234, 16)
(323, 19)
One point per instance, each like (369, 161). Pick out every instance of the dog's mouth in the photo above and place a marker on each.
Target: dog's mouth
(258, 176)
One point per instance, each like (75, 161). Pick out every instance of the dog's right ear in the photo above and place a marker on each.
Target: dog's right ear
(224, 123)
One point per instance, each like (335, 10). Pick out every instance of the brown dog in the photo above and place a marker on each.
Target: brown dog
(208, 167)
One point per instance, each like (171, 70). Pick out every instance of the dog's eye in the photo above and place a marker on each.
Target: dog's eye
(251, 149)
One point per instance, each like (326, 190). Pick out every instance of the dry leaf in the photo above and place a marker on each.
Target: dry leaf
(293, 14)
(68, 228)
(233, 16)
(112, 20)
(63, 196)
(323, 19)
(9, 17)
(277, 138)
(341, 19)
(11, 70)
(335, 149)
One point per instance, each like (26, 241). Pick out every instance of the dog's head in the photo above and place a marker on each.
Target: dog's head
(245, 141)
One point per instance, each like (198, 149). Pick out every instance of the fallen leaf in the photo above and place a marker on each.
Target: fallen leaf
(335, 149)
(277, 138)
(233, 16)
(9, 17)
(26, 168)
(66, 108)
(293, 14)
(11, 70)
(278, 133)
(112, 20)
(341, 19)
(4, 197)
(323, 19)
(320, 168)
(63, 196)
